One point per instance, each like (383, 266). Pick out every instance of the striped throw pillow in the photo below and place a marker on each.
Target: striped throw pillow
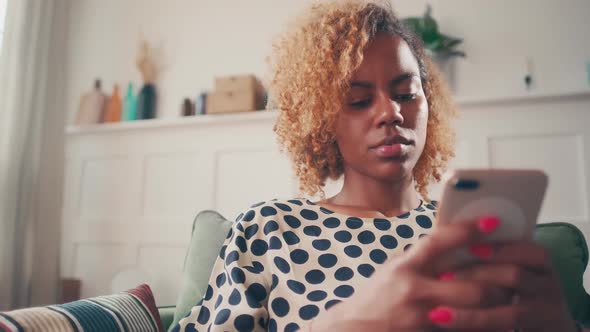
(130, 311)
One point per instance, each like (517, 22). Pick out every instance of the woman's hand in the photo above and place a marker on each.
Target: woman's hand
(524, 269)
(406, 294)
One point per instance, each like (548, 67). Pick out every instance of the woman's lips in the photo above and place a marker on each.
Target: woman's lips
(389, 150)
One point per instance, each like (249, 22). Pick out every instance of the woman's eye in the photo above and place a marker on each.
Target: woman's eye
(405, 97)
(360, 103)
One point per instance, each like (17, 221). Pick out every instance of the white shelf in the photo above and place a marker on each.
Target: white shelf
(213, 119)
(533, 96)
(208, 119)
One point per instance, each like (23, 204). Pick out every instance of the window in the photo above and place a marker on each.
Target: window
(2, 16)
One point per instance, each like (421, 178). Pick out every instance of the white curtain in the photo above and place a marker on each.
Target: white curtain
(31, 151)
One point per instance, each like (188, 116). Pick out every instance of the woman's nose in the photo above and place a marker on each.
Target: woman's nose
(389, 112)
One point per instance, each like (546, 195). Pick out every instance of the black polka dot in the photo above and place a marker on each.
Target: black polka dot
(404, 231)
(275, 282)
(321, 244)
(257, 204)
(251, 231)
(354, 223)
(404, 216)
(327, 260)
(291, 327)
(268, 211)
(283, 207)
(222, 252)
(218, 302)
(222, 316)
(424, 221)
(235, 297)
(366, 270)
(221, 279)
(326, 211)
(259, 247)
(407, 247)
(282, 265)
(280, 306)
(317, 296)
(275, 243)
(382, 224)
(200, 302)
(431, 206)
(204, 316)
(308, 312)
(366, 237)
(291, 238)
(238, 275)
(295, 201)
(343, 236)
(422, 235)
(378, 256)
(292, 221)
(232, 257)
(244, 323)
(270, 227)
(299, 256)
(344, 274)
(296, 286)
(312, 231)
(332, 222)
(241, 243)
(255, 294)
(208, 293)
(262, 322)
(331, 303)
(272, 325)
(240, 227)
(353, 251)
(315, 277)
(344, 291)
(309, 214)
(240, 216)
(388, 241)
(230, 233)
(249, 215)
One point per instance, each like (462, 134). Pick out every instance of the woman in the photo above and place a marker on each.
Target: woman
(359, 99)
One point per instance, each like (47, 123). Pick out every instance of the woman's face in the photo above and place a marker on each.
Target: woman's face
(381, 130)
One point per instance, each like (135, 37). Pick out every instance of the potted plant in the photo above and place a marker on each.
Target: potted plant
(439, 46)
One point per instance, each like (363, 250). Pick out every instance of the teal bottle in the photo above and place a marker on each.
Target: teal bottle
(130, 105)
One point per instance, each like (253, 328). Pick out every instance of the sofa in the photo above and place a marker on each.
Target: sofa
(565, 242)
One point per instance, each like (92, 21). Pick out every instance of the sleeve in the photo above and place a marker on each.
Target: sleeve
(237, 295)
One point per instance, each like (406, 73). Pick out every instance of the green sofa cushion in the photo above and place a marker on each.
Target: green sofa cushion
(209, 232)
(565, 242)
(569, 255)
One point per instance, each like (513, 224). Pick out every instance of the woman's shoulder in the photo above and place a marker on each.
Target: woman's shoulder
(274, 208)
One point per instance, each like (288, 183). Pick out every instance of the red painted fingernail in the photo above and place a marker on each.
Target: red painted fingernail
(447, 276)
(440, 315)
(488, 224)
(481, 250)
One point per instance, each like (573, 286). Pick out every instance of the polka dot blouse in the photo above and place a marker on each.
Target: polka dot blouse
(284, 262)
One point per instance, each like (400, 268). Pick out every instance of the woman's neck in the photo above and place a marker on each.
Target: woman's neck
(375, 198)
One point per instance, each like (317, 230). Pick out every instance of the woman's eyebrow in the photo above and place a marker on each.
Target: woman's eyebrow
(402, 78)
(395, 81)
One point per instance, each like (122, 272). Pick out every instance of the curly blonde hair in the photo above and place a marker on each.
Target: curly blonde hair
(312, 65)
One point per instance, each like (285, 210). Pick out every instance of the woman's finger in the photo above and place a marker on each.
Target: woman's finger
(466, 293)
(510, 276)
(527, 254)
(445, 239)
(500, 318)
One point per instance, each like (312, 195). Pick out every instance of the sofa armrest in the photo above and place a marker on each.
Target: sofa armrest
(167, 316)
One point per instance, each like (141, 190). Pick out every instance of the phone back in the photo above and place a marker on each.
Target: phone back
(513, 195)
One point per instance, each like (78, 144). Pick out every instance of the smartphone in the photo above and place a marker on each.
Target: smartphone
(513, 195)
